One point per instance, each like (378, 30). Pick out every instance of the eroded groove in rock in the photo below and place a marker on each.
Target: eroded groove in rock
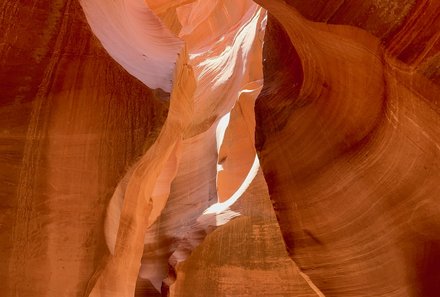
(349, 156)
(346, 125)
(192, 191)
(194, 188)
(231, 48)
(119, 272)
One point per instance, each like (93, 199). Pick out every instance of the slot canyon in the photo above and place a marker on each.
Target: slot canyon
(224, 148)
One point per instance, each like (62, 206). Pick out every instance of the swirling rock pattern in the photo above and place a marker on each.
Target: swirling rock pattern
(291, 150)
(348, 138)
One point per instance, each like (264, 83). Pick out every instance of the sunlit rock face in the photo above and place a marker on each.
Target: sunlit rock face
(220, 148)
(204, 158)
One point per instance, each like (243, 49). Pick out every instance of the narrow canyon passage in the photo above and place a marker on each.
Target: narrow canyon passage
(220, 148)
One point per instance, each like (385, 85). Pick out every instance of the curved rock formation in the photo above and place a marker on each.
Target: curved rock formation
(348, 138)
(135, 37)
(230, 49)
(112, 189)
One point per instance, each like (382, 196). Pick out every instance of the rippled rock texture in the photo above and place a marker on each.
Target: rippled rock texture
(220, 148)
(350, 150)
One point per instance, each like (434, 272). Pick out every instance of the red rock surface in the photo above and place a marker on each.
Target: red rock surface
(350, 152)
(110, 188)
(72, 121)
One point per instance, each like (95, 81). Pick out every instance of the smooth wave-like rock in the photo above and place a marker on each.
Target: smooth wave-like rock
(348, 142)
(241, 148)
(136, 38)
(228, 50)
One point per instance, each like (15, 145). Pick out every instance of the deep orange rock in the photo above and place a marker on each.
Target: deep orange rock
(72, 121)
(350, 151)
(109, 190)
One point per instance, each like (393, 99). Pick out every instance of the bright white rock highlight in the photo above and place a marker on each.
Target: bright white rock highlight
(136, 38)
(214, 161)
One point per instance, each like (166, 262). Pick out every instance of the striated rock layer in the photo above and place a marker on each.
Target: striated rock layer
(214, 159)
(348, 137)
(111, 189)
(72, 122)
